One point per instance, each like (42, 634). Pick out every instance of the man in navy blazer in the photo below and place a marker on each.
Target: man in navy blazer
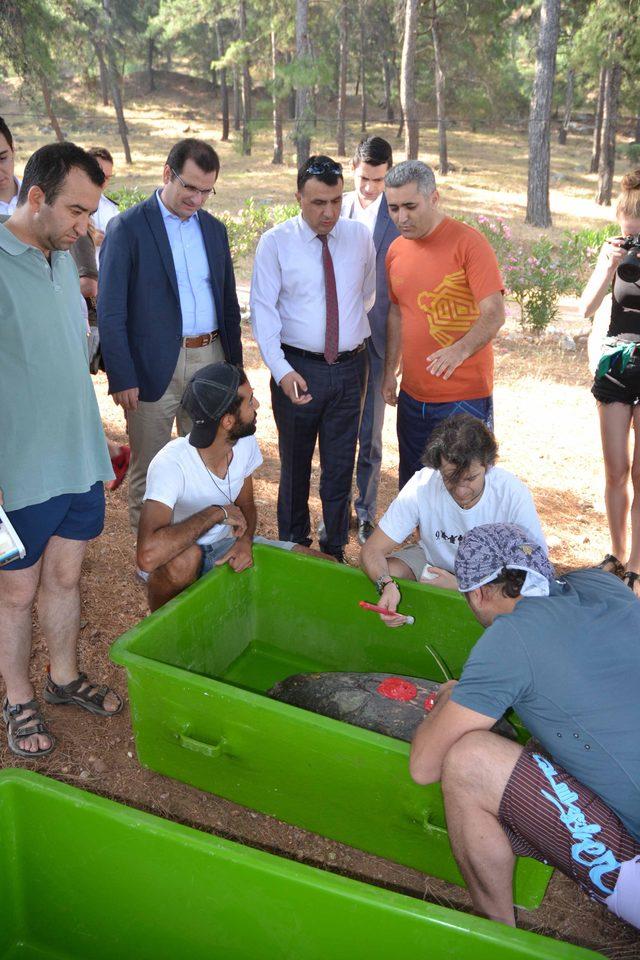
(372, 159)
(167, 304)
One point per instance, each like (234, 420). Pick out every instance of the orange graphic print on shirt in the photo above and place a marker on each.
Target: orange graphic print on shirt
(450, 309)
(438, 282)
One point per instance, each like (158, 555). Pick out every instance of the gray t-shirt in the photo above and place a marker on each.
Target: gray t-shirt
(51, 441)
(569, 665)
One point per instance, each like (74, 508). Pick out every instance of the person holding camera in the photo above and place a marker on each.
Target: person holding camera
(612, 298)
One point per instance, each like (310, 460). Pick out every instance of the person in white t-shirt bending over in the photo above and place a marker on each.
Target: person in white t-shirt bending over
(198, 509)
(460, 488)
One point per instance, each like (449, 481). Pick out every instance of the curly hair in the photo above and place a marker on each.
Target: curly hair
(460, 440)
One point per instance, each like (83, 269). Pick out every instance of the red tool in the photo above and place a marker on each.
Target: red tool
(371, 606)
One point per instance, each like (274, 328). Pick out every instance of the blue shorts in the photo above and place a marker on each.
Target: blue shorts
(72, 516)
(213, 551)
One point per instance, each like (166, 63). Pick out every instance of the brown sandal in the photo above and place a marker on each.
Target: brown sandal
(20, 728)
(611, 564)
(630, 578)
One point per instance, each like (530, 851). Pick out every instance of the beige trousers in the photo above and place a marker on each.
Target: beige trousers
(150, 426)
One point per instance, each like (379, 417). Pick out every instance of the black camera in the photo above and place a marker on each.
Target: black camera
(629, 268)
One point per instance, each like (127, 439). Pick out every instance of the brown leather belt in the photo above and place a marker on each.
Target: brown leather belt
(202, 341)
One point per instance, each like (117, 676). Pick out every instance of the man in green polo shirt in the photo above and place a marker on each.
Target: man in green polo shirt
(53, 454)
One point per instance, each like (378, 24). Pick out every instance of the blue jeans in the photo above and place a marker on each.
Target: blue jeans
(417, 421)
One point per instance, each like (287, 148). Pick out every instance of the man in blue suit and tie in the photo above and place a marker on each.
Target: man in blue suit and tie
(167, 304)
(372, 159)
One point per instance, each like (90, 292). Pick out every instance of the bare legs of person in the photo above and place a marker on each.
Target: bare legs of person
(474, 776)
(173, 577)
(177, 574)
(633, 563)
(57, 574)
(616, 420)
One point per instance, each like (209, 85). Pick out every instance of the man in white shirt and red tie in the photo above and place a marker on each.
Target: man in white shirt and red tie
(314, 281)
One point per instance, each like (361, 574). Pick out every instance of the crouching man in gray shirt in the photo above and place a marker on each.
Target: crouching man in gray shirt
(565, 655)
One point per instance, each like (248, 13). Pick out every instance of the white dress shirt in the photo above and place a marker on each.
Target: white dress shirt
(106, 211)
(7, 208)
(367, 215)
(288, 303)
(197, 305)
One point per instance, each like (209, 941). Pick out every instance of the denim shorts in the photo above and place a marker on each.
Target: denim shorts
(72, 516)
(213, 551)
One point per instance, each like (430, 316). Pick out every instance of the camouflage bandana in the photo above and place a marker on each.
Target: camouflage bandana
(487, 550)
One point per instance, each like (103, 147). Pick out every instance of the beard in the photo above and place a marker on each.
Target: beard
(240, 430)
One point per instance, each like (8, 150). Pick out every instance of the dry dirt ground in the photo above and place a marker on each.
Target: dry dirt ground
(546, 425)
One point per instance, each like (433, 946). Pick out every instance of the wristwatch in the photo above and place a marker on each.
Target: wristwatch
(382, 581)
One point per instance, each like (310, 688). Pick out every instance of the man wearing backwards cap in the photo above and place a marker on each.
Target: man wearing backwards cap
(198, 509)
(565, 655)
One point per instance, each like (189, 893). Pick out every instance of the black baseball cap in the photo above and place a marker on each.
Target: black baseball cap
(207, 398)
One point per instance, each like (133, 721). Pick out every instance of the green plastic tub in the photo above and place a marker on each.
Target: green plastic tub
(198, 670)
(83, 877)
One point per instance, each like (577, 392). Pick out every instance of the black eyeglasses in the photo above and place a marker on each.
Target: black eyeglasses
(190, 187)
(317, 168)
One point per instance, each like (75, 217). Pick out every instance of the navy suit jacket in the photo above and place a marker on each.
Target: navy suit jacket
(139, 313)
(385, 232)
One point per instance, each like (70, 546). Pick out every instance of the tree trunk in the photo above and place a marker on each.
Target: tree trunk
(48, 104)
(440, 91)
(114, 85)
(408, 81)
(237, 105)
(400, 125)
(609, 125)
(301, 134)
(597, 126)
(341, 144)
(538, 210)
(150, 51)
(117, 105)
(224, 89)
(104, 78)
(363, 60)
(636, 138)
(246, 82)
(278, 145)
(568, 108)
(388, 101)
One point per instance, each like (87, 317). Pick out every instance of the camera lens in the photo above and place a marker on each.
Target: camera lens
(629, 268)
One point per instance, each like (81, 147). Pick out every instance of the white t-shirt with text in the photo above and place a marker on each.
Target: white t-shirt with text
(426, 503)
(178, 478)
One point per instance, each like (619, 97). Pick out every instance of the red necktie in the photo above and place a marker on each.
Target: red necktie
(332, 329)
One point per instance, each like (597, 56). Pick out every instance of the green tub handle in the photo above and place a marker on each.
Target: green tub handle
(211, 750)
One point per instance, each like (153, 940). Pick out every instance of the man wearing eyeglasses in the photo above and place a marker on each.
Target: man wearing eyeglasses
(314, 281)
(167, 304)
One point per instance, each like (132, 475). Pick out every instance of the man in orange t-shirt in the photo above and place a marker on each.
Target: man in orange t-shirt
(446, 307)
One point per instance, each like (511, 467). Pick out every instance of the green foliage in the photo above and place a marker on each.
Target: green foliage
(247, 226)
(632, 152)
(127, 197)
(536, 275)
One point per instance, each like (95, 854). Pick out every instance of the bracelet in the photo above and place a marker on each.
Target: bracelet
(224, 510)
(382, 582)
